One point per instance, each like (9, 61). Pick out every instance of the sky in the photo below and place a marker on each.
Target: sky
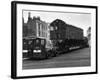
(81, 20)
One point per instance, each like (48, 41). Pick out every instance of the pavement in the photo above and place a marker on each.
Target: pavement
(75, 58)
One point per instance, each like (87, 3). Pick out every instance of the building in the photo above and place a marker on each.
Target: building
(36, 28)
(41, 29)
(24, 28)
(89, 36)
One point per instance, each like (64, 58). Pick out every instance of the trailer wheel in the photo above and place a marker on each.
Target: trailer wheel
(50, 54)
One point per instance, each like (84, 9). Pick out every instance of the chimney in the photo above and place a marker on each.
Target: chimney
(29, 16)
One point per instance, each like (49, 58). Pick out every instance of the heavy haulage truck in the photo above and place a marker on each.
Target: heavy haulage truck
(63, 38)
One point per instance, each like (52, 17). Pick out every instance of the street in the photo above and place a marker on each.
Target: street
(75, 58)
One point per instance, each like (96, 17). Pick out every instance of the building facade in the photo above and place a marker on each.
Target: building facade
(36, 28)
(89, 36)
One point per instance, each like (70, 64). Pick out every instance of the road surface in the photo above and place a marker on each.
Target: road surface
(75, 58)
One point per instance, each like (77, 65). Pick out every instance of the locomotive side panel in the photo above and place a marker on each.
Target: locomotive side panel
(62, 31)
(73, 32)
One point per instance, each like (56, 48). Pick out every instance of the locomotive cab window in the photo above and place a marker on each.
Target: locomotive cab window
(30, 42)
(42, 42)
(37, 41)
(51, 28)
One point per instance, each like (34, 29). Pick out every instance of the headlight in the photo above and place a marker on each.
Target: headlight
(34, 50)
(37, 51)
(25, 51)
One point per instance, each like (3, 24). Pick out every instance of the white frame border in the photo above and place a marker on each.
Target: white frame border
(51, 71)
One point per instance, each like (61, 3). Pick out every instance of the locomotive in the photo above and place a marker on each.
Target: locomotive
(63, 37)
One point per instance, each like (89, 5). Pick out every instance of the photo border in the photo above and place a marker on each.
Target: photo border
(14, 38)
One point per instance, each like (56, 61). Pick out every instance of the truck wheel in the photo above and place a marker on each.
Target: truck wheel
(50, 54)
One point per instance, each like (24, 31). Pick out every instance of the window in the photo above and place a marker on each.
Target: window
(51, 29)
(42, 42)
(29, 42)
(24, 43)
(39, 34)
(56, 27)
(37, 41)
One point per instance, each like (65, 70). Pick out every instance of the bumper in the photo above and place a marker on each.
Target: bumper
(37, 55)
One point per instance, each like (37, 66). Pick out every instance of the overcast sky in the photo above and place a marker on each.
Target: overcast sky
(81, 20)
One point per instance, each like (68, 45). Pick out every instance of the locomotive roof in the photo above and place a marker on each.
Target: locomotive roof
(64, 23)
(75, 27)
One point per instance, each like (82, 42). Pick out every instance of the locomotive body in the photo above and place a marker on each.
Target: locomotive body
(61, 31)
(65, 36)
